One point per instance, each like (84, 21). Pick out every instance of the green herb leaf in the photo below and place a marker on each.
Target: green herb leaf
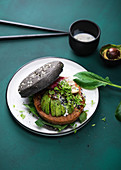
(93, 125)
(41, 123)
(74, 125)
(104, 119)
(21, 111)
(22, 115)
(118, 112)
(83, 116)
(56, 88)
(92, 102)
(89, 80)
(51, 92)
(65, 90)
(32, 109)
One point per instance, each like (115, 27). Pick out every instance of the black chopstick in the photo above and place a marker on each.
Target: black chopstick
(31, 26)
(32, 36)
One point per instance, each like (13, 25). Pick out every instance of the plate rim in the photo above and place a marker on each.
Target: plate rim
(42, 133)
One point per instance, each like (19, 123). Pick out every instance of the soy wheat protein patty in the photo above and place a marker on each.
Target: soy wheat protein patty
(60, 120)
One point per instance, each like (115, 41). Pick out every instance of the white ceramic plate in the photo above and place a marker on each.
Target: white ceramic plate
(15, 102)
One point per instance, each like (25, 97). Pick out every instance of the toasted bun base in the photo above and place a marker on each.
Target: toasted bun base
(62, 120)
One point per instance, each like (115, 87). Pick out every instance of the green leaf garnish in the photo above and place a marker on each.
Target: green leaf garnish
(118, 112)
(22, 115)
(14, 106)
(31, 109)
(93, 124)
(104, 119)
(74, 125)
(65, 90)
(89, 80)
(56, 88)
(21, 111)
(92, 102)
(83, 116)
(41, 123)
(51, 92)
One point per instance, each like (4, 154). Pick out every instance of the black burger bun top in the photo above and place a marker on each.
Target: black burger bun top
(40, 78)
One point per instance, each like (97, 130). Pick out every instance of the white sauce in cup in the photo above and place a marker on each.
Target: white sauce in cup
(84, 37)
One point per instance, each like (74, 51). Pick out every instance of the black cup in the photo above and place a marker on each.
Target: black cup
(84, 26)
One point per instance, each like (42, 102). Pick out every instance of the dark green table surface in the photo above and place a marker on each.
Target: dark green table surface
(97, 147)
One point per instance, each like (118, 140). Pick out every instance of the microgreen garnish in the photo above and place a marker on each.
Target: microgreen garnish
(56, 88)
(104, 119)
(14, 106)
(65, 91)
(93, 125)
(21, 111)
(22, 115)
(51, 92)
(92, 102)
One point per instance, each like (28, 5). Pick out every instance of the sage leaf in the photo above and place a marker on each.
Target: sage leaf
(89, 80)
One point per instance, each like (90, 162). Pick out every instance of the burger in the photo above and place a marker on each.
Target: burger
(58, 100)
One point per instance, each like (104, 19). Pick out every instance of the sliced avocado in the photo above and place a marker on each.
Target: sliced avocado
(70, 109)
(47, 108)
(45, 103)
(43, 100)
(63, 110)
(53, 107)
(58, 108)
